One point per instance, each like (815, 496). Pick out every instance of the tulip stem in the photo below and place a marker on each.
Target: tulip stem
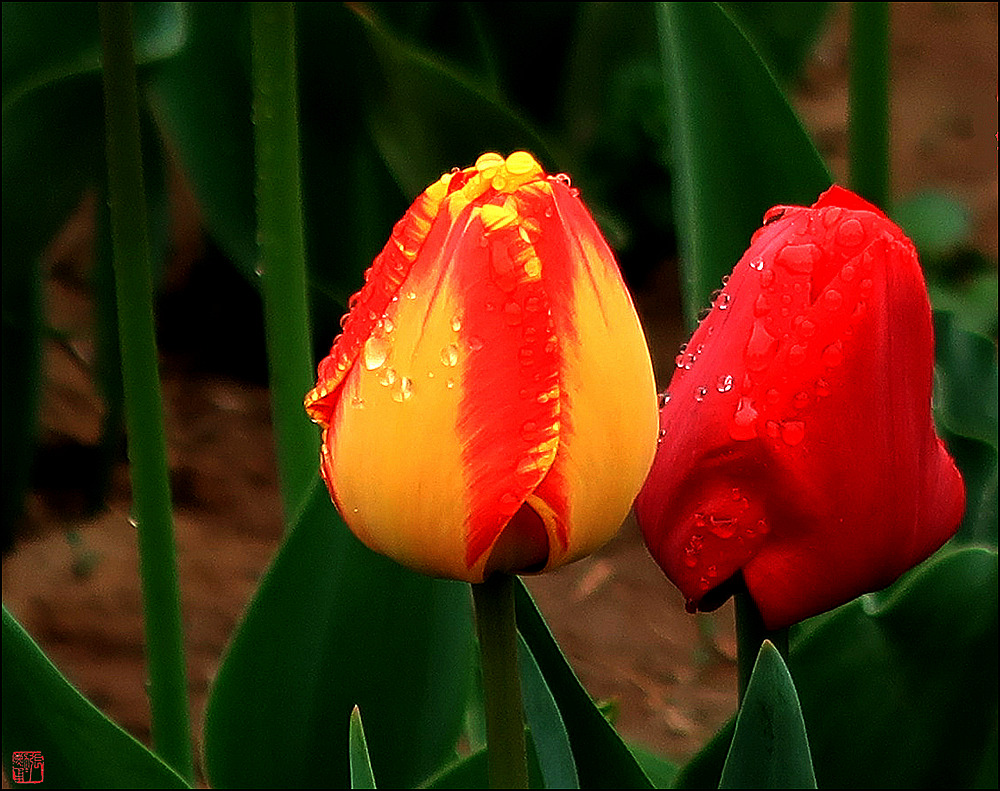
(497, 630)
(147, 447)
(750, 635)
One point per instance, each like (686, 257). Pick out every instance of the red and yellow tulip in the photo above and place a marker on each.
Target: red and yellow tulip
(490, 404)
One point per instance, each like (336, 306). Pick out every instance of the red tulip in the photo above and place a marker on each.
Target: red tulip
(797, 440)
(490, 405)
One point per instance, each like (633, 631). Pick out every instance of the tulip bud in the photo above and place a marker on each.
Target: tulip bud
(798, 445)
(490, 405)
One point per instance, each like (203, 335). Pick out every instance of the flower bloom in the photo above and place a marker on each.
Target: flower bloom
(490, 405)
(797, 441)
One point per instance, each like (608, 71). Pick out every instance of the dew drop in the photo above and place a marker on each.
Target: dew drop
(724, 383)
(830, 215)
(411, 294)
(512, 314)
(801, 400)
(833, 355)
(663, 399)
(456, 323)
(822, 388)
(723, 527)
(798, 258)
(387, 324)
(509, 503)
(759, 347)
(402, 390)
(357, 402)
(700, 393)
(767, 278)
(833, 299)
(375, 352)
(475, 343)
(758, 264)
(796, 354)
(450, 383)
(807, 328)
(743, 425)
(761, 306)
(847, 273)
(850, 233)
(793, 432)
(660, 436)
(387, 376)
(449, 355)
(724, 300)
(772, 429)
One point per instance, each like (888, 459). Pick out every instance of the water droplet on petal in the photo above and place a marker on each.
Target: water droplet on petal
(449, 355)
(759, 347)
(450, 383)
(375, 352)
(757, 263)
(761, 306)
(357, 402)
(743, 425)
(475, 343)
(801, 400)
(724, 300)
(663, 399)
(456, 323)
(387, 324)
(724, 383)
(847, 273)
(822, 388)
(798, 258)
(512, 314)
(833, 299)
(793, 432)
(660, 436)
(723, 527)
(767, 278)
(833, 355)
(386, 376)
(850, 233)
(796, 354)
(700, 393)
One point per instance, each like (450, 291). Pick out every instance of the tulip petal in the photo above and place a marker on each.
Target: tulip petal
(806, 393)
(492, 377)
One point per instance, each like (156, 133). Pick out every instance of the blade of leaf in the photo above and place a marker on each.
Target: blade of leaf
(334, 625)
(361, 764)
(428, 118)
(81, 747)
(555, 756)
(898, 689)
(602, 759)
(770, 748)
(739, 148)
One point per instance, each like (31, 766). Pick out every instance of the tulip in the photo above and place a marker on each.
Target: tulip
(490, 405)
(797, 440)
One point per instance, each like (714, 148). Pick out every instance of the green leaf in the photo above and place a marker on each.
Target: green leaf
(45, 43)
(602, 759)
(738, 146)
(936, 223)
(770, 748)
(662, 772)
(361, 765)
(783, 34)
(898, 689)
(333, 626)
(81, 747)
(428, 118)
(555, 756)
(965, 405)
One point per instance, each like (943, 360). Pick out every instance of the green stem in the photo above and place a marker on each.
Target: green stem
(282, 247)
(868, 133)
(750, 635)
(143, 404)
(497, 630)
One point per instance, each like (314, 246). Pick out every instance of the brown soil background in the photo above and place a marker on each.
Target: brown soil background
(73, 583)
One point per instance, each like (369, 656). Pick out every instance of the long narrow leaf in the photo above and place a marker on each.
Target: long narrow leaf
(738, 146)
